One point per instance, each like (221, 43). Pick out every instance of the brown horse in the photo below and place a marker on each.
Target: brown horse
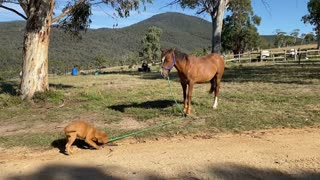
(194, 70)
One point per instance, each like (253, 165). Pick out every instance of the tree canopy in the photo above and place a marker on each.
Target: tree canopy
(313, 17)
(239, 32)
(215, 8)
(151, 44)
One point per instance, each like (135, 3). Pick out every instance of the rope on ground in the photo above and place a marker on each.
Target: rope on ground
(156, 126)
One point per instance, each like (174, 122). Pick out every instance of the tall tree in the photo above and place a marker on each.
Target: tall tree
(280, 39)
(313, 17)
(309, 38)
(239, 31)
(151, 44)
(215, 8)
(39, 16)
(295, 34)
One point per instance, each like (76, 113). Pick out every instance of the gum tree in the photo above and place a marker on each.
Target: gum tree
(239, 29)
(313, 17)
(40, 16)
(151, 44)
(215, 8)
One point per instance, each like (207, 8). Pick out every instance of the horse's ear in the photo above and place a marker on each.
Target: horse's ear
(173, 49)
(162, 49)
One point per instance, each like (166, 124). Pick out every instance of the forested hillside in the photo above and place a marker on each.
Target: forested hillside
(117, 46)
(185, 32)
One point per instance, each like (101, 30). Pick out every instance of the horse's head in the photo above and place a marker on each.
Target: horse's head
(168, 61)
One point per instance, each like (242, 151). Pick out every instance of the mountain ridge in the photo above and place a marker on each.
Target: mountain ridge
(185, 32)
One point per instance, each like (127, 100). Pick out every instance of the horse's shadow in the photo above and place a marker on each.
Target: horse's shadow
(158, 104)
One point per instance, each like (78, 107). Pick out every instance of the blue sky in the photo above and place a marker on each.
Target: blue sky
(279, 14)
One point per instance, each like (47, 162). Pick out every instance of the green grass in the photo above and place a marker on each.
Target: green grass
(252, 96)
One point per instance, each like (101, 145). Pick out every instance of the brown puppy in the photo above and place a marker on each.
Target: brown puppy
(83, 130)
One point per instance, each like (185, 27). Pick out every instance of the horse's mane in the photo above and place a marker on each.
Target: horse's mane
(180, 55)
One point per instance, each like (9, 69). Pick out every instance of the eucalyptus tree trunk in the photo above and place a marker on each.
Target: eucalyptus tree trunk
(36, 45)
(217, 22)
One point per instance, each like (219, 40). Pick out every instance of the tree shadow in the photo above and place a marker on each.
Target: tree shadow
(121, 72)
(244, 172)
(226, 171)
(143, 75)
(279, 73)
(68, 172)
(60, 86)
(9, 88)
(158, 104)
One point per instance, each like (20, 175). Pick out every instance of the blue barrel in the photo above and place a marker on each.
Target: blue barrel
(74, 71)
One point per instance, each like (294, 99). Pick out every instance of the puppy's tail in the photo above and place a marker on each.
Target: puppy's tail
(69, 131)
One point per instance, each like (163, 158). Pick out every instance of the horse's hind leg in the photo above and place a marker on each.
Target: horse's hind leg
(215, 86)
(216, 92)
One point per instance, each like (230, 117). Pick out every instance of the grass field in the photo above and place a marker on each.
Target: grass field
(252, 96)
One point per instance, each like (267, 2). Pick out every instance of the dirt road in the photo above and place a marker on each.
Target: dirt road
(266, 154)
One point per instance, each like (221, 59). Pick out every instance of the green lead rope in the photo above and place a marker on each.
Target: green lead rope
(157, 126)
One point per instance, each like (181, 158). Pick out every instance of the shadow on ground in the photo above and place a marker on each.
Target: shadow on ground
(278, 73)
(224, 171)
(244, 172)
(8, 87)
(60, 86)
(158, 104)
(60, 144)
(273, 73)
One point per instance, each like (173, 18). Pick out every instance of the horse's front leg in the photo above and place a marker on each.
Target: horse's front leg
(184, 89)
(190, 89)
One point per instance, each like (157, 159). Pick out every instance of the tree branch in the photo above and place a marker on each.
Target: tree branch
(66, 12)
(13, 10)
(171, 4)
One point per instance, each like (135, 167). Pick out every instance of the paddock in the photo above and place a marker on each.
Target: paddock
(267, 124)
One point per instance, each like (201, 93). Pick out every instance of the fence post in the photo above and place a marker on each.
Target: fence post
(299, 55)
(285, 55)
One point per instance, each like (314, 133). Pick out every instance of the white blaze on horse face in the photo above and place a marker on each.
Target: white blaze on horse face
(162, 61)
(163, 58)
(215, 105)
